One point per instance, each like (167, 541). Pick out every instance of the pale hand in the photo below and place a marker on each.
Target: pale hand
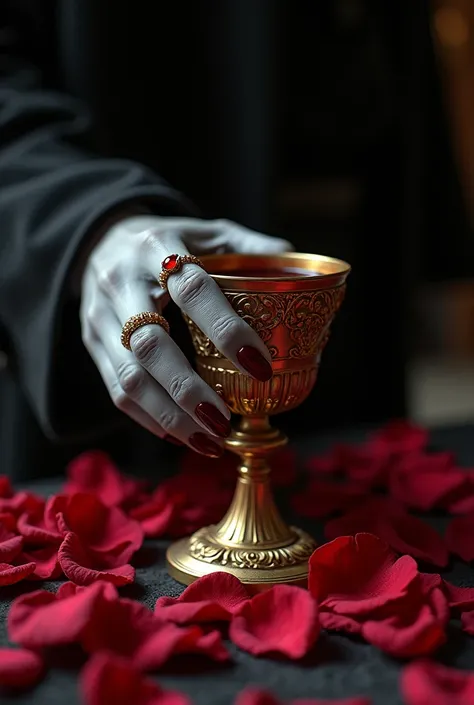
(155, 384)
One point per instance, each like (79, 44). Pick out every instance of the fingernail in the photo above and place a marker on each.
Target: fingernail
(173, 440)
(253, 361)
(213, 419)
(204, 445)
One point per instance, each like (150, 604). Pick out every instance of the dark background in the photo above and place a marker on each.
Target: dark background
(323, 122)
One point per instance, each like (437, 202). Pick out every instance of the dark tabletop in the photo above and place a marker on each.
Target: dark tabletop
(338, 667)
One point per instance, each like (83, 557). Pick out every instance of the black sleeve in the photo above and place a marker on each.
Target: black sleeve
(53, 196)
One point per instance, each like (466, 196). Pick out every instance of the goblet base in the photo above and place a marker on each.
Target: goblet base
(289, 563)
(252, 541)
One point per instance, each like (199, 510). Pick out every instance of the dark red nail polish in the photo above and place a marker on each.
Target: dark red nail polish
(204, 445)
(173, 440)
(213, 419)
(255, 364)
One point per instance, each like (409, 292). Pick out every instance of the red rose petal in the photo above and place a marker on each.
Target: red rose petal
(10, 548)
(212, 598)
(467, 622)
(20, 503)
(461, 501)
(366, 464)
(6, 490)
(460, 537)
(131, 630)
(255, 696)
(46, 561)
(415, 627)
(95, 472)
(320, 499)
(32, 527)
(406, 534)
(156, 515)
(402, 437)
(355, 575)
(281, 620)
(105, 531)
(460, 599)
(323, 464)
(41, 619)
(418, 483)
(429, 683)
(11, 574)
(20, 669)
(77, 565)
(107, 679)
(8, 521)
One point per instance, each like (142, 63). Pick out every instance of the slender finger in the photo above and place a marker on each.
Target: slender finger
(149, 396)
(198, 295)
(157, 352)
(120, 399)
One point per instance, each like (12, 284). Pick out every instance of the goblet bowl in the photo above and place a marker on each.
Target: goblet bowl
(290, 300)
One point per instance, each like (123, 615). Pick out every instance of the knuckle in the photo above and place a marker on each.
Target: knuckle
(131, 379)
(120, 399)
(180, 389)
(87, 337)
(144, 344)
(224, 223)
(226, 329)
(191, 285)
(167, 419)
(109, 280)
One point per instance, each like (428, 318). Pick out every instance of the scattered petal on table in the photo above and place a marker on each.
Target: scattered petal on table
(462, 501)
(20, 669)
(32, 527)
(156, 514)
(214, 597)
(460, 599)
(41, 618)
(79, 565)
(107, 679)
(11, 574)
(402, 437)
(10, 546)
(387, 519)
(46, 561)
(320, 499)
(355, 575)
(467, 622)
(460, 537)
(281, 620)
(430, 683)
(424, 488)
(415, 626)
(255, 696)
(105, 531)
(20, 503)
(367, 464)
(95, 472)
(131, 630)
(6, 490)
(327, 464)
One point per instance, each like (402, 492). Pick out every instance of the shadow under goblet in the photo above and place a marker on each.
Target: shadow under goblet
(290, 300)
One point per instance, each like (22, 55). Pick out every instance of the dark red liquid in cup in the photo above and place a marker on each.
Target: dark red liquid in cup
(270, 273)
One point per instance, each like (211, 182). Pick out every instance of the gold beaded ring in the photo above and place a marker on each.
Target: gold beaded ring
(141, 319)
(173, 264)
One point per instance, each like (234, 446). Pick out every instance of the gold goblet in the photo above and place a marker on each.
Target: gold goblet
(291, 301)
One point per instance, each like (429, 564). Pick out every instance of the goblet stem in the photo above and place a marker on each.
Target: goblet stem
(252, 520)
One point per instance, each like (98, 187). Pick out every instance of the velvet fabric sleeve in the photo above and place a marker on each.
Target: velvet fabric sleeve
(54, 195)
